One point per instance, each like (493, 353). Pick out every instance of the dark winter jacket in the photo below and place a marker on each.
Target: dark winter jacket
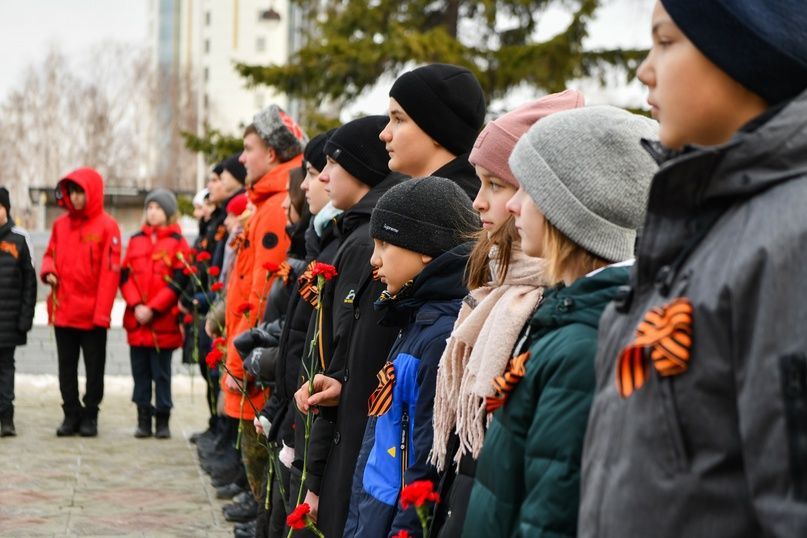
(84, 253)
(528, 475)
(151, 257)
(721, 448)
(17, 285)
(461, 172)
(397, 442)
(355, 348)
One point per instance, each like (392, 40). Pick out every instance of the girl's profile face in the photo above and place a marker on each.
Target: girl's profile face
(694, 101)
(155, 216)
(491, 200)
(529, 223)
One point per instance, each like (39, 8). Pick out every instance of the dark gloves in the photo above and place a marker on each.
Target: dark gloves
(245, 342)
(261, 363)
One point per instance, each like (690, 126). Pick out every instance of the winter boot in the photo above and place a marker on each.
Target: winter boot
(7, 424)
(89, 423)
(161, 430)
(143, 422)
(70, 425)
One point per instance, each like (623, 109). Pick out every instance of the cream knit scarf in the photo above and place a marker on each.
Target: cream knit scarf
(478, 350)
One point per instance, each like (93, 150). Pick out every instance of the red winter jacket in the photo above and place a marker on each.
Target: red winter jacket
(151, 256)
(84, 254)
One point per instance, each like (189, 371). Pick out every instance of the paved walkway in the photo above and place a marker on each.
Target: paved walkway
(112, 485)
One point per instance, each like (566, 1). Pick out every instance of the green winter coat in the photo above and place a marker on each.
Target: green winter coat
(528, 476)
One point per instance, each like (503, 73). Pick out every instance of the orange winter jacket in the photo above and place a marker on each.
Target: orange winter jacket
(265, 242)
(84, 254)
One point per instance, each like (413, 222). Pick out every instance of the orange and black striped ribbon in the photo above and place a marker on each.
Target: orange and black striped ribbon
(503, 385)
(665, 331)
(381, 398)
(308, 285)
(283, 272)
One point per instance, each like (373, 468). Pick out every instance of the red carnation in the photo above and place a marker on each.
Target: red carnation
(418, 493)
(298, 519)
(245, 308)
(188, 271)
(403, 533)
(214, 271)
(216, 287)
(324, 269)
(219, 343)
(188, 319)
(203, 256)
(175, 311)
(213, 358)
(271, 267)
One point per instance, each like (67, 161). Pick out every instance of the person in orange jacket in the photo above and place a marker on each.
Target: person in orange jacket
(82, 266)
(151, 282)
(273, 146)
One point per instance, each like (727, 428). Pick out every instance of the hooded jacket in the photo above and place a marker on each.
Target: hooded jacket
(397, 443)
(17, 285)
(354, 348)
(265, 242)
(84, 253)
(720, 448)
(528, 475)
(151, 257)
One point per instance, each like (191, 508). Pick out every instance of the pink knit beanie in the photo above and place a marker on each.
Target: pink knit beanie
(496, 141)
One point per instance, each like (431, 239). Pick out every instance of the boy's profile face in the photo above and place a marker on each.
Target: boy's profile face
(78, 198)
(396, 266)
(343, 189)
(408, 145)
(529, 223)
(694, 100)
(216, 189)
(3, 215)
(314, 189)
(256, 157)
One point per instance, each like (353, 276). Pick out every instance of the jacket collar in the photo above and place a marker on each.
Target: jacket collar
(5, 228)
(360, 213)
(274, 181)
(161, 231)
(89, 180)
(461, 172)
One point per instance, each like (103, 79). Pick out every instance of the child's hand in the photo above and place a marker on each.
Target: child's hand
(262, 425)
(327, 392)
(143, 314)
(231, 383)
(52, 280)
(313, 501)
(210, 328)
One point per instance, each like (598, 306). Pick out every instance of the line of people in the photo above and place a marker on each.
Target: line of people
(576, 321)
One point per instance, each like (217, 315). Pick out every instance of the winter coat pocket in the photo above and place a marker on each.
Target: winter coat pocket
(674, 445)
(793, 369)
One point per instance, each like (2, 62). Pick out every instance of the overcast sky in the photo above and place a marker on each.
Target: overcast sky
(29, 27)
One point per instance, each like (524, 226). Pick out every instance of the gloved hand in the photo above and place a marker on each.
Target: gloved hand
(247, 341)
(261, 363)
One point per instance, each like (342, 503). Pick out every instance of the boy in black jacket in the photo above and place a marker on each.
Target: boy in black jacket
(17, 301)
(354, 347)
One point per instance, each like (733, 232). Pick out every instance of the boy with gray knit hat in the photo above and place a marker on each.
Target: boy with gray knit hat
(419, 230)
(583, 180)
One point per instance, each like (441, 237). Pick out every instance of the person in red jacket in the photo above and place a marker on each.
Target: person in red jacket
(151, 278)
(82, 266)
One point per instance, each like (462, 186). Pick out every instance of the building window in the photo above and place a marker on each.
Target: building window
(259, 100)
(260, 44)
(207, 18)
(207, 46)
(207, 74)
(206, 102)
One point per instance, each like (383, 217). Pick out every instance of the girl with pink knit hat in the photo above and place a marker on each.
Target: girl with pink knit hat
(506, 286)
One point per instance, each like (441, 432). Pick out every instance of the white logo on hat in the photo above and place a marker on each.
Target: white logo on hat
(390, 228)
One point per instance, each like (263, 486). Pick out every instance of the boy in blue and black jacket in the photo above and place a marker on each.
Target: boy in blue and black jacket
(419, 230)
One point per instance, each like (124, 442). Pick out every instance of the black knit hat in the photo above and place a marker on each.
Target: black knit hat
(430, 216)
(234, 166)
(761, 45)
(444, 100)
(314, 152)
(218, 168)
(5, 199)
(357, 149)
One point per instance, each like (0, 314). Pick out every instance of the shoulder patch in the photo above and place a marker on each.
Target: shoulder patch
(269, 240)
(351, 295)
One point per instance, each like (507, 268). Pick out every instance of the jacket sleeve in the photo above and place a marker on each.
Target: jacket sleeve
(49, 258)
(109, 277)
(128, 285)
(28, 305)
(554, 444)
(767, 312)
(421, 409)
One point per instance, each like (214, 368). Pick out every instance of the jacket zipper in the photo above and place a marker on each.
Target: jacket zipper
(404, 448)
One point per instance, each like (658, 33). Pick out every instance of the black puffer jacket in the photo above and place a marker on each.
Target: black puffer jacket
(17, 285)
(356, 348)
(461, 172)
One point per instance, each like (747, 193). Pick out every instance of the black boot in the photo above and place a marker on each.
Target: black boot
(161, 430)
(143, 422)
(89, 423)
(7, 424)
(70, 424)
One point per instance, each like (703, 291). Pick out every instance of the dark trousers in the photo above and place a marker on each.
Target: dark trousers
(6, 379)
(149, 367)
(211, 377)
(69, 344)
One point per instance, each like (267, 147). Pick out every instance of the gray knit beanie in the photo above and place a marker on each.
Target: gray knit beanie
(431, 215)
(280, 132)
(589, 175)
(165, 199)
